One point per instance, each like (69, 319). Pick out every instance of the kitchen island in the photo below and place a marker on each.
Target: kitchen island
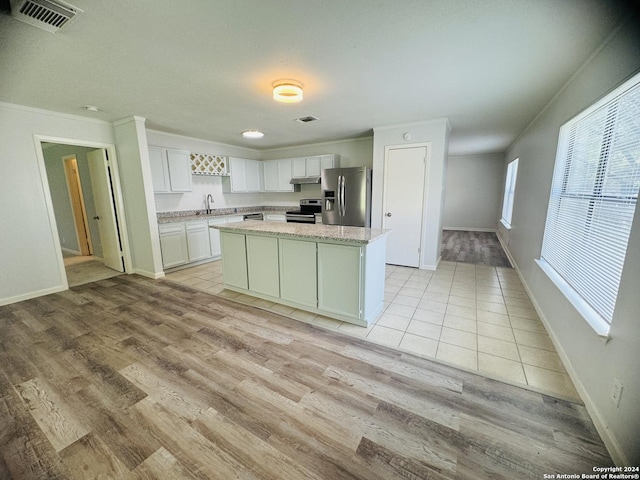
(330, 270)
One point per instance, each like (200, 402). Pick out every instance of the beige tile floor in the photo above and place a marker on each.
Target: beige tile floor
(81, 270)
(475, 317)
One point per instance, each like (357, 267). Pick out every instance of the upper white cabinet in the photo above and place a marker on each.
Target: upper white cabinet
(245, 176)
(277, 174)
(170, 170)
(312, 166)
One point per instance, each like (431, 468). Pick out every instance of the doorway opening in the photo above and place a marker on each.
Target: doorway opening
(86, 215)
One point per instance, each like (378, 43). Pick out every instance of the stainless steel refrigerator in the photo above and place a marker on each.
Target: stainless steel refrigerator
(346, 196)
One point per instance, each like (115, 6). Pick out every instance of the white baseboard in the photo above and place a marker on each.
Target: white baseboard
(464, 229)
(71, 252)
(609, 439)
(30, 295)
(147, 274)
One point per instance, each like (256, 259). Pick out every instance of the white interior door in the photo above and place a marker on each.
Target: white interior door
(103, 199)
(404, 185)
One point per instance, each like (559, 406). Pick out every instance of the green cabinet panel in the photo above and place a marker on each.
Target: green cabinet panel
(298, 272)
(339, 279)
(262, 262)
(234, 259)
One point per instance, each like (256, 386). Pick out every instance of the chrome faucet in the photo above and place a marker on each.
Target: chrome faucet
(209, 202)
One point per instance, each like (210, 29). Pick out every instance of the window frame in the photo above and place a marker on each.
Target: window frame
(600, 321)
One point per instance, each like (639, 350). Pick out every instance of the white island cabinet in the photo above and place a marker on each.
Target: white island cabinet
(298, 271)
(326, 269)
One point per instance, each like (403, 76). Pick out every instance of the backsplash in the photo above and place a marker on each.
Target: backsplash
(223, 211)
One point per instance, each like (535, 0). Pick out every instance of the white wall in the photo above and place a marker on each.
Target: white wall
(355, 152)
(592, 363)
(30, 258)
(473, 198)
(436, 134)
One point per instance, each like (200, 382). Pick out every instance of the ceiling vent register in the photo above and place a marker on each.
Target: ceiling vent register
(45, 14)
(204, 164)
(307, 119)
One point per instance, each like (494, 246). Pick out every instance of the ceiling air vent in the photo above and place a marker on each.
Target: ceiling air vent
(45, 14)
(306, 119)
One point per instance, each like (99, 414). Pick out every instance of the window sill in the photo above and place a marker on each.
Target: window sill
(593, 318)
(505, 224)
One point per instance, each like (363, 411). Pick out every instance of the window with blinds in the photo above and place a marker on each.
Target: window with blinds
(592, 204)
(509, 193)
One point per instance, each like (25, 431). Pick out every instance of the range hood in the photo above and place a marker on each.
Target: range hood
(304, 180)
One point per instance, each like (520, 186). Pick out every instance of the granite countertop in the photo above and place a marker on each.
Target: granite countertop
(304, 230)
(191, 215)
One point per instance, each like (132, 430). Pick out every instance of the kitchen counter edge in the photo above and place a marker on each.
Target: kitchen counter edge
(337, 233)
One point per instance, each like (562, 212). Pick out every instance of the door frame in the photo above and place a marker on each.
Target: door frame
(387, 148)
(81, 224)
(116, 190)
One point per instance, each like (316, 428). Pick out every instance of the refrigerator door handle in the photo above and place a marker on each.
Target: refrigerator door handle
(342, 209)
(344, 196)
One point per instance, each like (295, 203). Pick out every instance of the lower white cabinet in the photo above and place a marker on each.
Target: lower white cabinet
(298, 272)
(173, 244)
(187, 242)
(262, 265)
(198, 243)
(234, 260)
(340, 279)
(214, 236)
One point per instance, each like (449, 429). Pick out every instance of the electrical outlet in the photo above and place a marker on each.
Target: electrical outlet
(616, 392)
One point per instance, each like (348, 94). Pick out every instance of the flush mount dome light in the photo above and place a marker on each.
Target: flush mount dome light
(252, 134)
(287, 91)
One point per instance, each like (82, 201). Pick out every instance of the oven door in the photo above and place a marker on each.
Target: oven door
(300, 218)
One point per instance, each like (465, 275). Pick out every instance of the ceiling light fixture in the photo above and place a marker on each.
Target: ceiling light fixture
(252, 134)
(90, 108)
(287, 91)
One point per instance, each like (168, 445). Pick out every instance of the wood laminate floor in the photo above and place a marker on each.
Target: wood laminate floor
(479, 248)
(133, 378)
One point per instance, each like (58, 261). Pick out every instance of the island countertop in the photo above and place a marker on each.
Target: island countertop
(359, 235)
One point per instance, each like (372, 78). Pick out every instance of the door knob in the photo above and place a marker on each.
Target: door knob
(388, 214)
(96, 217)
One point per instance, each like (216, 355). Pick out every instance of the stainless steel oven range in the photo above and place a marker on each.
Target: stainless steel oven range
(309, 207)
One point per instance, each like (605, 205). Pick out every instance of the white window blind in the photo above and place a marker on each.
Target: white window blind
(509, 193)
(593, 198)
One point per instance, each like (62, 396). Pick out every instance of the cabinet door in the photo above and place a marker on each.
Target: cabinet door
(313, 166)
(339, 279)
(299, 167)
(173, 245)
(234, 259)
(238, 174)
(198, 244)
(214, 237)
(328, 161)
(178, 163)
(262, 265)
(271, 176)
(284, 176)
(159, 171)
(252, 171)
(298, 272)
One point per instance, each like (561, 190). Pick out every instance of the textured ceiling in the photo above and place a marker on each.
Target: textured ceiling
(204, 68)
